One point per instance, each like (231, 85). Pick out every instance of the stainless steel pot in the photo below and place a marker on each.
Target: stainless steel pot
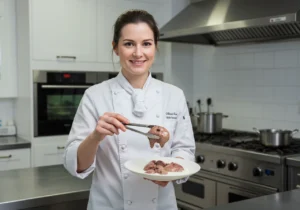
(275, 137)
(210, 122)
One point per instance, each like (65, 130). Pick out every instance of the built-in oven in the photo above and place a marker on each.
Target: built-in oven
(56, 99)
(206, 190)
(227, 193)
(196, 193)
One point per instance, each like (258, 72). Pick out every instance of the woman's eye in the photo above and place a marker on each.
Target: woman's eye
(129, 44)
(147, 44)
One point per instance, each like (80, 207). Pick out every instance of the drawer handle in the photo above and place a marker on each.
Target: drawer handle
(58, 147)
(68, 57)
(5, 157)
(298, 186)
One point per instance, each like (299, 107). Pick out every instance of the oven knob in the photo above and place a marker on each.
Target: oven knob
(200, 159)
(221, 164)
(232, 166)
(257, 172)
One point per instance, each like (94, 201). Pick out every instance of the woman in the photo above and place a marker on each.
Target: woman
(98, 141)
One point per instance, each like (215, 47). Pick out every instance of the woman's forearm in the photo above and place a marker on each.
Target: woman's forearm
(87, 151)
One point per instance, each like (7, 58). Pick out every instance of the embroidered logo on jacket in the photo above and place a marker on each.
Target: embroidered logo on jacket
(171, 115)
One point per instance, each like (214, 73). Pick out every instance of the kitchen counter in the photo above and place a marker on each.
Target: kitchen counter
(13, 142)
(293, 161)
(279, 201)
(42, 186)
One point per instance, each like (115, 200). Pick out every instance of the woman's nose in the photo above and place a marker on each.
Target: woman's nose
(138, 52)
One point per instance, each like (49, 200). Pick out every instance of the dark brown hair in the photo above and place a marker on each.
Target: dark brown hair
(134, 16)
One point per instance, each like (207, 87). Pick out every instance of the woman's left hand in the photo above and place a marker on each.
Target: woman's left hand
(161, 183)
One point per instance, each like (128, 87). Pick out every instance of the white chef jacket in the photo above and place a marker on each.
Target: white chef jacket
(113, 186)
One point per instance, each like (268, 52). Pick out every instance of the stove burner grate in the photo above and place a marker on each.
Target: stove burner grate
(247, 141)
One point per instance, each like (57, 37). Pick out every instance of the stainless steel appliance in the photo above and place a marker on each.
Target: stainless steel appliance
(219, 22)
(293, 164)
(234, 166)
(57, 95)
(56, 98)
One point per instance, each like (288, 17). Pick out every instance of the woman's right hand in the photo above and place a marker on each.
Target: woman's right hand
(109, 124)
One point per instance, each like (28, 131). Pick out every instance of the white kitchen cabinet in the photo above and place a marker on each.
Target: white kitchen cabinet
(8, 66)
(64, 30)
(48, 154)
(14, 159)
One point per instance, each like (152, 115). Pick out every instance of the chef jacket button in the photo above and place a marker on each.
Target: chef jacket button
(129, 202)
(125, 176)
(115, 93)
(157, 115)
(157, 145)
(154, 200)
(123, 147)
(157, 91)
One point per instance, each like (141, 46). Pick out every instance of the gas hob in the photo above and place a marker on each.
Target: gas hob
(240, 155)
(245, 141)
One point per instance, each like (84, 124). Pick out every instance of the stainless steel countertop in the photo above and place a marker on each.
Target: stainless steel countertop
(279, 201)
(293, 161)
(24, 188)
(13, 142)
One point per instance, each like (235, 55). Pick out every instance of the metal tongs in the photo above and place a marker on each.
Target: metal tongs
(149, 135)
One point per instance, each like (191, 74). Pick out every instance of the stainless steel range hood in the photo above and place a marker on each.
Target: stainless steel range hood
(219, 22)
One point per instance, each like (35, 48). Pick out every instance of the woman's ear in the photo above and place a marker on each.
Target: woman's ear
(115, 48)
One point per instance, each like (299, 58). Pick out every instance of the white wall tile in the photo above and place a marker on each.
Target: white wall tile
(257, 85)
(264, 60)
(286, 59)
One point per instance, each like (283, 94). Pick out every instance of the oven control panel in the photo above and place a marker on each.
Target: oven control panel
(240, 167)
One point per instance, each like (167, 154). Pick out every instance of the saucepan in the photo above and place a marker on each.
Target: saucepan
(208, 122)
(275, 137)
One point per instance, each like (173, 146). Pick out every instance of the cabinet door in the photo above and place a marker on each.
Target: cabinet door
(48, 154)
(14, 159)
(107, 15)
(64, 30)
(8, 68)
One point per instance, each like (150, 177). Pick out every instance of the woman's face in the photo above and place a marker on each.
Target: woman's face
(136, 49)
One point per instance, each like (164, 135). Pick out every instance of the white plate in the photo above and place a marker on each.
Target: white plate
(137, 166)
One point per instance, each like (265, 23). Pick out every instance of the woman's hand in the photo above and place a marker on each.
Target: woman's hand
(109, 124)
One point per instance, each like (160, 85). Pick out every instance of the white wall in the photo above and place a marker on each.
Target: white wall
(6, 110)
(257, 85)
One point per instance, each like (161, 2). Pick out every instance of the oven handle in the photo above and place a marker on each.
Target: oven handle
(242, 192)
(187, 206)
(65, 86)
(197, 180)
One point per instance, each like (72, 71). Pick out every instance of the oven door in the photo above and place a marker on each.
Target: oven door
(55, 107)
(229, 194)
(197, 191)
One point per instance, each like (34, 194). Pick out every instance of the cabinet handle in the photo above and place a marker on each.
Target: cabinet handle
(298, 186)
(298, 174)
(58, 147)
(63, 56)
(5, 157)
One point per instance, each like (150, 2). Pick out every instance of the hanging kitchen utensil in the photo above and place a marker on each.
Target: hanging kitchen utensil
(275, 137)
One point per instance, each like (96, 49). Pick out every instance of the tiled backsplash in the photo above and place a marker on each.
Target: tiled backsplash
(257, 85)
(6, 110)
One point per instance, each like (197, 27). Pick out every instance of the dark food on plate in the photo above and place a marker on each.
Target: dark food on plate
(162, 168)
(162, 132)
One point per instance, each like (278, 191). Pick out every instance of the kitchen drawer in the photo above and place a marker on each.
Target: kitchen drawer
(48, 154)
(14, 159)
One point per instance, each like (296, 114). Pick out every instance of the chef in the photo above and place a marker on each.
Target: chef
(98, 141)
